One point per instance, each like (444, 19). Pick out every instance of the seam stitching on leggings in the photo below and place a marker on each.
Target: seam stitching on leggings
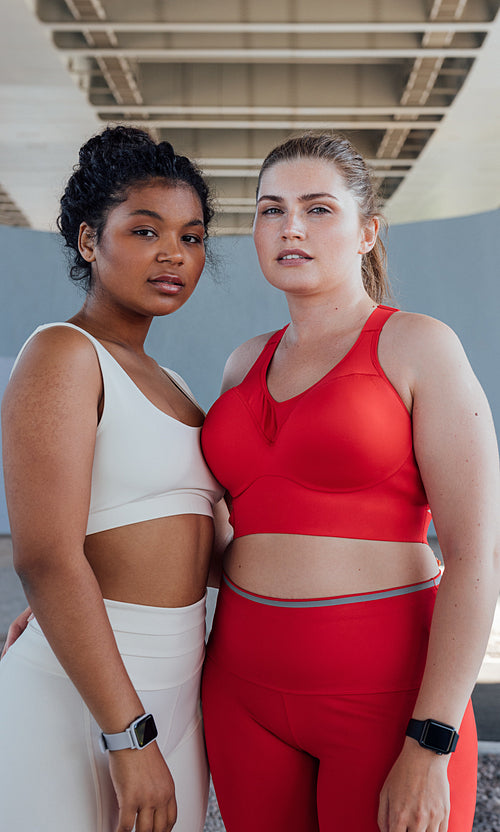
(340, 694)
(190, 730)
(87, 720)
(292, 732)
(286, 692)
(49, 671)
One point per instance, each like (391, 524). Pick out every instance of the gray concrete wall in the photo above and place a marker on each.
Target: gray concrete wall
(450, 269)
(446, 268)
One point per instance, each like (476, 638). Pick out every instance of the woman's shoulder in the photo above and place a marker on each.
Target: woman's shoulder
(56, 349)
(417, 323)
(420, 347)
(418, 335)
(242, 359)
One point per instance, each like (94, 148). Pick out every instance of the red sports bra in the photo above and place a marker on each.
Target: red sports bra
(336, 460)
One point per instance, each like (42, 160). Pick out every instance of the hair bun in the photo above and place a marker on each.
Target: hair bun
(164, 150)
(113, 142)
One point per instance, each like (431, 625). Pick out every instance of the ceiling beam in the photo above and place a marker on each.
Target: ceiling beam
(269, 28)
(181, 110)
(228, 230)
(296, 124)
(318, 56)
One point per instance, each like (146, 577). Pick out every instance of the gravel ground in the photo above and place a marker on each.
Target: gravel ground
(213, 822)
(487, 818)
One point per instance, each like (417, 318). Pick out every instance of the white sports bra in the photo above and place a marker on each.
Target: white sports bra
(146, 463)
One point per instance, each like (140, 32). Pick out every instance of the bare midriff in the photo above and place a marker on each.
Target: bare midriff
(306, 566)
(159, 563)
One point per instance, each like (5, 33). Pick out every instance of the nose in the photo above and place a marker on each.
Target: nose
(293, 227)
(169, 252)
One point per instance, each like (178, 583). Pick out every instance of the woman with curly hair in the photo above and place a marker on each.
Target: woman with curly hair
(111, 510)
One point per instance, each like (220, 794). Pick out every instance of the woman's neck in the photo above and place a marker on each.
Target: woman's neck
(315, 317)
(113, 325)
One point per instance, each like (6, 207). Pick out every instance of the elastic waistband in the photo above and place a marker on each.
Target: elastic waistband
(161, 647)
(304, 603)
(141, 619)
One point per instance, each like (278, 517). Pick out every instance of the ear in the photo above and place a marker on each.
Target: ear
(369, 234)
(87, 242)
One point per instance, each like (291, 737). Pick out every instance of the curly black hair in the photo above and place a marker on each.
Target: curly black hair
(109, 165)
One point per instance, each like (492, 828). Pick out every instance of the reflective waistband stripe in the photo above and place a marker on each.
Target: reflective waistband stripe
(332, 602)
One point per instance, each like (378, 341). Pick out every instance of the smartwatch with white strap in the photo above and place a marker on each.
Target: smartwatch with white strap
(140, 733)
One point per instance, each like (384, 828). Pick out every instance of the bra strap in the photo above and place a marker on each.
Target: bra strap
(378, 318)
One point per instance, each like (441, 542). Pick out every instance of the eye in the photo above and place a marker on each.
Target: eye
(144, 232)
(319, 209)
(192, 239)
(271, 210)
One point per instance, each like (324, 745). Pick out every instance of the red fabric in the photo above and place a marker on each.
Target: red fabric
(305, 712)
(336, 460)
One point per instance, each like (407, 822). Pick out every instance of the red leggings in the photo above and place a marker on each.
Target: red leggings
(306, 707)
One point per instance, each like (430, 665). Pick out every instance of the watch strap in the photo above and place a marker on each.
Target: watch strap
(132, 737)
(434, 735)
(117, 742)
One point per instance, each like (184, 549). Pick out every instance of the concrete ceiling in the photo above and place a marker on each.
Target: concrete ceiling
(415, 85)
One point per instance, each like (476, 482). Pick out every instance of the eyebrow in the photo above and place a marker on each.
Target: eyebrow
(145, 212)
(302, 198)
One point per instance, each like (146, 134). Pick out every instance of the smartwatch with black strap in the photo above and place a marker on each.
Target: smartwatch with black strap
(434, 735)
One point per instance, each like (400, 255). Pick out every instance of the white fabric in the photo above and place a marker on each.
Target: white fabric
(53, 775)
(146, 464)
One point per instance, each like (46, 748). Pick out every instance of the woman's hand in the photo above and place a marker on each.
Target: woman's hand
(144, 790)
(416, 795)
(17, 627)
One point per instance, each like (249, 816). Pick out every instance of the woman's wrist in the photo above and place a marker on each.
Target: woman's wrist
(433, 734)
(420, 755)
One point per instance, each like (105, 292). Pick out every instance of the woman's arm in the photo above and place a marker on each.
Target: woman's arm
(455, 447)
(49, 418)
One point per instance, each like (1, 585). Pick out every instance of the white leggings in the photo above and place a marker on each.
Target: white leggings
(53, 775)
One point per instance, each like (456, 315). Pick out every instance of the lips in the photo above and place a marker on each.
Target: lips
(170, 279)
(167, 284)
(293, 255)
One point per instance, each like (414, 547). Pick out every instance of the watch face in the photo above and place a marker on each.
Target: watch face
(438, 737)
(145, 730)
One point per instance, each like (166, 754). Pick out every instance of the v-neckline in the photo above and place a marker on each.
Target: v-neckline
(266, 364)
